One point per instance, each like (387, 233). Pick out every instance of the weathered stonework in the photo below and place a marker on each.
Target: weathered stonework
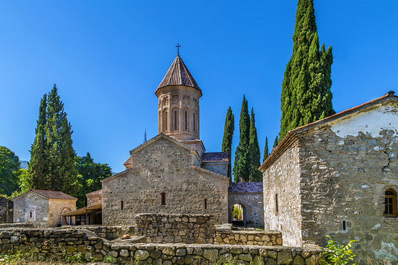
(331, 178)
(250, 238)
(59, 243)
(163, 165)
(106, 232)
(5, 210)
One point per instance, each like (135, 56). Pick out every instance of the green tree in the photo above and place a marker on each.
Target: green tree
(90, 176)
(241, 165)
(306, 95)
(229, 127)
(266, 152)
(38, 165)
(276, 142)
(9, 171)
(52, 156)
(254, 151)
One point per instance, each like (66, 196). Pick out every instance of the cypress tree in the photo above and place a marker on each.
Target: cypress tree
(266, 152)
(241, 165)
(276, 142)
(38, 165)
(229, 127)
(306, 95)
(254, 151)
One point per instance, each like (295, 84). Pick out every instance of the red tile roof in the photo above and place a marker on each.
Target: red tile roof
(246, 187)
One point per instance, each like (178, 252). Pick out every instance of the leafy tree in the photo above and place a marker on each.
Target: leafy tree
(228, 135)
(52, 156)
(241, 166)
(9, 171)
(254, 151)
(306, 95)
(90, 176)
(266, 152)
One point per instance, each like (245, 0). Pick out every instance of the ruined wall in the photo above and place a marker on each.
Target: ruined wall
(31, 203)
(56, 243)
(5, 211)
(94, 198)
(346, 170)
(252, 204)
(176, 228)
(107, 232)
(164, 167)
(58, 206)
(258, 238)
(281, 184)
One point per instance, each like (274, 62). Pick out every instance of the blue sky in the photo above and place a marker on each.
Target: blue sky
(108, 57)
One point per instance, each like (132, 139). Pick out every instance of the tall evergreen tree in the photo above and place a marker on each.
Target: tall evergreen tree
(38, 165)
(254, 151)
(241, 165)
(266, 152)
(276, 142)
(229, 127)
(306, 95)
(52, 156)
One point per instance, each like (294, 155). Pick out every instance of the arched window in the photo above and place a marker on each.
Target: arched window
(186, 120)
(163, 194)
(194, 122)
(164, 127)
(175, 120)
(390, 203)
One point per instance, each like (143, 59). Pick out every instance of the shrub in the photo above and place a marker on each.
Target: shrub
(338, 254)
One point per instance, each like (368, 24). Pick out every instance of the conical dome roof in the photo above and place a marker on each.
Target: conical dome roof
(178, 75)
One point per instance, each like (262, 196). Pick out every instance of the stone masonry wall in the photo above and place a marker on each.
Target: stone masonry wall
(346, 176)
(164, 167)
(252, 204)
(258, 238)
(60, 243)
(56, 207)
(176, 228)
(5, 210)
(107, 232)
(281, 184)
(31, 202)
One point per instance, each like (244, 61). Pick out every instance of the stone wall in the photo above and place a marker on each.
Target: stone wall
(346, 177)
(58, 243)
(56, 207)
(163, 166)
(252, 204)
(31, 203)
(282, 201)
(259, 238)
(176, 228)
(107, 232)
(5, 210)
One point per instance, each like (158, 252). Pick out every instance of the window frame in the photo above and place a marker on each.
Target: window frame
(393, 198)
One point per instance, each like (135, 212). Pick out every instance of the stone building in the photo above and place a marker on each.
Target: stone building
(338, 176)
(171, 173)
(249, 197)
(89, 215)
(5, 210)
(42, 207)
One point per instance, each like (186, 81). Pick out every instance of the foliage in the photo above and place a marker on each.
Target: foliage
(51, 165)
(77, 257)
(306, 95)
(110, 259)
(229, 127)
(266, 151)
(338, 254)
(237, 211)
(9, 171)
(90, 176)
(276, 142)
(254, 151)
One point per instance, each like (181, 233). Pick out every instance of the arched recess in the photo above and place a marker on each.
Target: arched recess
(63, 220)
(175, 118)
(185, 119)
(164, 120)
(238, 215)
(390, 203)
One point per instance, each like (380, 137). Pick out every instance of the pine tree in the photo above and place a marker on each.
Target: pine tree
(241, 166)
(229, 127)
(254, 151)
(306, 95)
(38, 165)
(51, 165)
(266, 152)
(276, 142)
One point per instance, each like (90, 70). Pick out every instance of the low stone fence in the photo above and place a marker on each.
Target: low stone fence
(176, 228)
(107, 232)
(68, 242)
(16, 225)
(259, 238)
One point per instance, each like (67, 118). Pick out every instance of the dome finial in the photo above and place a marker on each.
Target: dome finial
(178, 49)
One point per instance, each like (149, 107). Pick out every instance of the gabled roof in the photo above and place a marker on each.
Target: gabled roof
(215, 157)
(49, 194)
(246, 187)
(155, 139)
(293, 135)
(178, 75)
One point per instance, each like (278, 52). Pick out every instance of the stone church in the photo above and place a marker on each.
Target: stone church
(338, 176)
(172, 172)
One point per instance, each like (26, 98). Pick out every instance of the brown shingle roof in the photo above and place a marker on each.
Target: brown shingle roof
(215, 156)
(50, 194)
(291, 136)
(178, 75)
(246, 187)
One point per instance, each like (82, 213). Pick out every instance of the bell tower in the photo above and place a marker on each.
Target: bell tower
(178, 103)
